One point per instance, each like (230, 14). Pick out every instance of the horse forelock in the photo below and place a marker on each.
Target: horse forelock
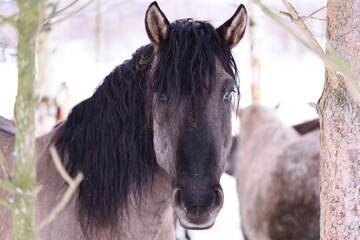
(108, 137)
(186, 62)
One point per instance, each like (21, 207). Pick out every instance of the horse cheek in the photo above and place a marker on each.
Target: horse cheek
(163, 149)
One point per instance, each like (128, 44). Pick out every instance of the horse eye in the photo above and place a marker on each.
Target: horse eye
(229, 96)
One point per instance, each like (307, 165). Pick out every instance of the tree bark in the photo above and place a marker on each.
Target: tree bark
(24, 171)
(340, 126)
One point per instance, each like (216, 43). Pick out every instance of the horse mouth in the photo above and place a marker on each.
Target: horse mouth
(197, 217)
(196, 223)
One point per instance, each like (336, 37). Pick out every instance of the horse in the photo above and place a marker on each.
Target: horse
(277, 178)
(234, 155)
(308, 126)
(151, 141)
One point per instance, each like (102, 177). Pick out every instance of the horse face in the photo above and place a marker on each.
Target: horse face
(193, 152)
(192, 134)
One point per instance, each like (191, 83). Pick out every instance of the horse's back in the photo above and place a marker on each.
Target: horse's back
(262, 137)
(277, 179)
(295, 186)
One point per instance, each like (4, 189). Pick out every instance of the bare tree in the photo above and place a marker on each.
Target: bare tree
(20, 181)
(339, 112)
(24, 171)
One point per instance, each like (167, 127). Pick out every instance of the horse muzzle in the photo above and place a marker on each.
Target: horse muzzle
(197, 208)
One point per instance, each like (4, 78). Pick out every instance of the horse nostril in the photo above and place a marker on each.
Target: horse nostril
(176, 199)
(219, 197)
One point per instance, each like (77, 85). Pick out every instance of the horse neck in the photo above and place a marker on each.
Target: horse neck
(152, 220)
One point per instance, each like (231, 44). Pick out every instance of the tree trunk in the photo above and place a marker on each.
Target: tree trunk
(340, 126)
(45, 116)
(24, 172)
(255, 41)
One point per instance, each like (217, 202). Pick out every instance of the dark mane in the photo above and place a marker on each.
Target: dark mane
(109, 136)
(186, 62)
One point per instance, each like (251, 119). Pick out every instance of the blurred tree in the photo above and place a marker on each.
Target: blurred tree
(31, 18)
(24, 172)
(45, 117)
(339, 111)
(255, 40)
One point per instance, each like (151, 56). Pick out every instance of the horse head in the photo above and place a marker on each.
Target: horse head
(193, 82)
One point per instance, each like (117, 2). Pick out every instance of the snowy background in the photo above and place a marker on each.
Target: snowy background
(82, 56)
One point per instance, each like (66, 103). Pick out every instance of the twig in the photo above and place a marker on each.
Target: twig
(280, 22)
(73, 184)
(305, 30)
(4, 166)
(54, 14)
(59, 167)
(312, 14)
(73, 13)
(9, 19)
(320, 19)
(333, 62)
(305, 17)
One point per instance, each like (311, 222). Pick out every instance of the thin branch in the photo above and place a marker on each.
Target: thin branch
(59, 167)
(54, 14)
(73, 13)
(320, 19)
(305, 30)
(10, 19)
(73, 185)
(280, 22)
(334, 62)
(4, 167)
(285, 14)
(312, 14)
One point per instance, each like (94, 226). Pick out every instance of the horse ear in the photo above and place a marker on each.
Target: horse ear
(233, 29)
(157, 25)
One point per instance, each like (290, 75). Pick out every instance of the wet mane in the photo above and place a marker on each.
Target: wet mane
(109, 136)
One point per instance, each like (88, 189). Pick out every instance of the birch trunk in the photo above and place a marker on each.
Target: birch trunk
(255, 42)
(340, 126)
(24, 172)
(45, 117)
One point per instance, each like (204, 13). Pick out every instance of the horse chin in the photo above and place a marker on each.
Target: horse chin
(191, 225)
(196, 220)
